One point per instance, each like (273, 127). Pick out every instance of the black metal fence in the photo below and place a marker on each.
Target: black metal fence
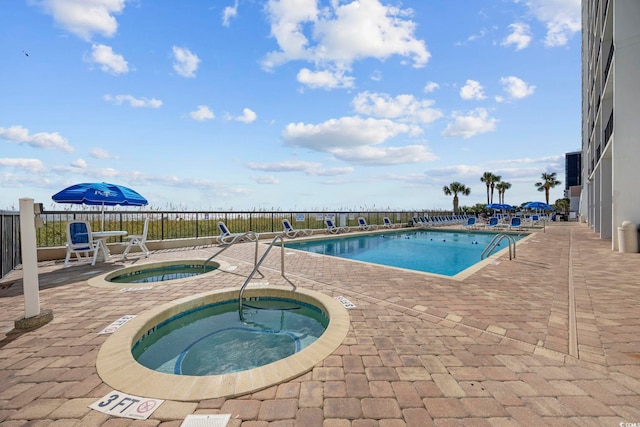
(10, 241)
(167, 225)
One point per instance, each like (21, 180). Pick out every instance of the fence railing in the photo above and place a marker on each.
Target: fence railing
(10, 241)
(167, 225)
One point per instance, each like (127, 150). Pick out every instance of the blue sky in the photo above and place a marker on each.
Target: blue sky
(288, 104)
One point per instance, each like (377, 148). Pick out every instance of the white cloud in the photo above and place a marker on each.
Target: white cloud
(308, 168)
(47, 140)
(562, 18)
(266, 179)
(28, 165)
(247, 116)
(473, 123)
(109, 61)
(229, 12)
(384, 156)
(84, 18)
(472, 90)
(79, 164)
(324, 79)
(99, 153)
(431, 87)
(202, 113)
(520, 36)
(516, 88)
(344, 133)
(402, 107)
(340, 34)
(133, 101)
(186, 62)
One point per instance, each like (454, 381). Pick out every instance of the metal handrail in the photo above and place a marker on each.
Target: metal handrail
(496, 241)
(255, 269)
(236, 239)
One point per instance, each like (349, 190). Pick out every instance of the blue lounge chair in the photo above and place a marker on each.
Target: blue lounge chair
(362, 225)
(289, 231)
(471, 223)
(516, 223)
(386, 223)
(333, 229)
(226, 237)
(493, 222)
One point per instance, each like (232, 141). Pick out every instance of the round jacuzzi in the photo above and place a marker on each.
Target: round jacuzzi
(118, 367)
(158, 273)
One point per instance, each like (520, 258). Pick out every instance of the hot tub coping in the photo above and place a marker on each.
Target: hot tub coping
(117, 367)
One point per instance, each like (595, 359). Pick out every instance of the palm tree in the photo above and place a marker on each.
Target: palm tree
(502, 187)
(490, 181)
(548, 182)
(456, 188)
(487, 178)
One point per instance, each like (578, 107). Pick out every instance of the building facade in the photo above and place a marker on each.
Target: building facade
(610, 115)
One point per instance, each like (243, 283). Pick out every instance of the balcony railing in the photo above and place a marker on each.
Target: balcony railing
(9, 241)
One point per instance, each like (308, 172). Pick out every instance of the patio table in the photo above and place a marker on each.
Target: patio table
(101, 237)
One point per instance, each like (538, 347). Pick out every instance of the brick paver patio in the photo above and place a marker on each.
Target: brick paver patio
(549, 338)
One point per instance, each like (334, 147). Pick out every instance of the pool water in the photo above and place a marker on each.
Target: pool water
(212, 340)
(441, 252)
(162, 274)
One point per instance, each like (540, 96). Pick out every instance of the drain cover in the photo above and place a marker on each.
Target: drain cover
(217, 420)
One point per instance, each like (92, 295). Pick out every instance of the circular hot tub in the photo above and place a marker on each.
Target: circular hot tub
(158, 273)
(118, 367)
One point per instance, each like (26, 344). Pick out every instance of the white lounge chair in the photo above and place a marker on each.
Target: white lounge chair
(362, 225)
(422, 222)
(471, 223)
(493, 222)
(386, 223)
(80, 242)
(516, 223)
(333, 229)
(226, 237)
(289, 231)
(139, 240)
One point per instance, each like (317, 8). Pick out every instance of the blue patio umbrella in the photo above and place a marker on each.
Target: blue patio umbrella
(499, 206)
(539, 206)
(99, 194)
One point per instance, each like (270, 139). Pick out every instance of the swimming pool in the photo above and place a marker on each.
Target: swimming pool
(431, 251)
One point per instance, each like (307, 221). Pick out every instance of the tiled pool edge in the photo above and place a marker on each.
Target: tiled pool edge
(117, 367)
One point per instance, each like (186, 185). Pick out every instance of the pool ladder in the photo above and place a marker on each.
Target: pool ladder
(257, 266)
(495, 242)
(239, 238)
(256, 262)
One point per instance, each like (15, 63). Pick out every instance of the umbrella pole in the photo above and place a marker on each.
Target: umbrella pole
(102, 219)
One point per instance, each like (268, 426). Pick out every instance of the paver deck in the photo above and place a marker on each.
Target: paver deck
(549, 338)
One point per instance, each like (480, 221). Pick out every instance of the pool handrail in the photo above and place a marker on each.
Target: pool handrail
(237, 239)
(496, 241)
(257, 266)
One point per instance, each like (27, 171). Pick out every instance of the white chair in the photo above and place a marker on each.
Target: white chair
(387, 223)
(226, 237)
(515, 224)
(471, 223)
(139, 240)
(333, 229)
(362, 225)
(80, 242)
(289, 231)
